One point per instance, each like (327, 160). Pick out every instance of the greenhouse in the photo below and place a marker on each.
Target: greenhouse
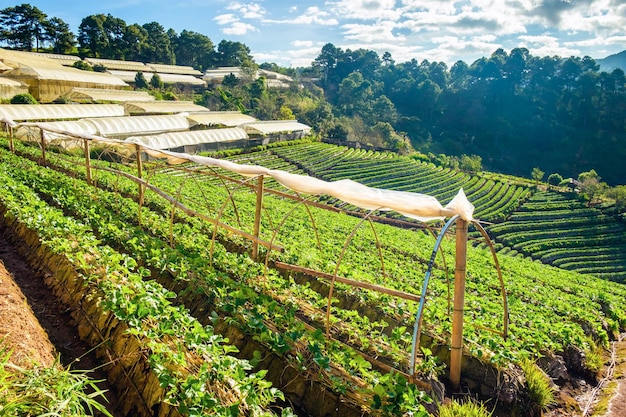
(32, 131)
(23, 112)
(162, 107)
(178, 79)
(175, 69)
(10, 88)
(90, 95)
(194, 141)
(66, 60)
(220, 118)
(276, 126)
(47, 79)
(114, 64)
(123, 127)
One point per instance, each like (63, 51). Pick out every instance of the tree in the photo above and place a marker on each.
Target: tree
(158, 48)
(58, 33)
(21, 26)
(537, 175)
(231, 54)
(230, 81)
(156, 82)
(134, 41)
(618, 193)
(555, 179)
(193, 49)
(92, 36)
(471, 163)
(140, 81)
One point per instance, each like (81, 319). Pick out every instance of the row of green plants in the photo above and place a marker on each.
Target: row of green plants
(568, 234)
(243, 296)
(178, 348)
(546, 330)
(407, 175)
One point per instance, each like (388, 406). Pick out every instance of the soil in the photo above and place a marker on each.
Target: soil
(36, 327)
(39, 330)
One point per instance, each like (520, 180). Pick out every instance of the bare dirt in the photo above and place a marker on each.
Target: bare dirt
(36, 327)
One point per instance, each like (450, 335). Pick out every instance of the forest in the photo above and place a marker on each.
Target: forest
(510, 112)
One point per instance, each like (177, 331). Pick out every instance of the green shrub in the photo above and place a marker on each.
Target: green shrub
(537, 383)
(465, 409)
(25, 98)
(169, 95)
(82, 65)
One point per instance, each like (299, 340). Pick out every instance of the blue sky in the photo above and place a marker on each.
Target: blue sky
(292, 33)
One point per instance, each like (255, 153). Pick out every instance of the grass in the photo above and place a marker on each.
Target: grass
(538, 384)
(47, 391)
(464, 409)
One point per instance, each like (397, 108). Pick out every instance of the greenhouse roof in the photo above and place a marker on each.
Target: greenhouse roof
(19, 112)
(275, 126)
(196, 137)
(139, 125)
(67, 60)
(174, 69)
(162, 107)
(101, 94)
(181, 79)
(9, 82)
(114, 64)
(73, 126)
(224, 118)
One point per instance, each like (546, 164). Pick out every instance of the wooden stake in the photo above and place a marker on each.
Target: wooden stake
(43, 147)
(456, 354)
(140, 176)
(87, 161)
(11, 145)
(257, 216)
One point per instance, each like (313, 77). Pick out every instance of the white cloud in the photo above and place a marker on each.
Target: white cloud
(379, 32)
(239, 29)
(225, 19)
(366, 9)
(248, 10)
(312, 16)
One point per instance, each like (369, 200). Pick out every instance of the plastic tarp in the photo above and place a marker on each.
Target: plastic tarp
(224, 118)
(101, 94)
(174, 69)
(9, 87)
(162, 107)
(195, 137)
(276, 126)
(19, 112)
(139, 125)
(413, 205)
(28, 131)
(114, 64)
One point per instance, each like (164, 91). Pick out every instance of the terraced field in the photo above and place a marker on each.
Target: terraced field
(547, 226)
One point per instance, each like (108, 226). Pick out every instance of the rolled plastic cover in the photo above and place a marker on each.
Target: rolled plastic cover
(413, 205)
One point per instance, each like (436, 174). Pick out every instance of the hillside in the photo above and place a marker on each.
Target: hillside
(168, 253)
(611, 62)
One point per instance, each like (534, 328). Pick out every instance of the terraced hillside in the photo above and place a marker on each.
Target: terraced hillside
(568, 234)
(547, 226)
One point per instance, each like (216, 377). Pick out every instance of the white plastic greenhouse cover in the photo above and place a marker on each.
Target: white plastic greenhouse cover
(276, 126)
(163, 106)
(101, 94)
(120, 65)
(174, 69)
(19, 112)
(414, 205)
(195, 137)
(32, 131)
(225, 118)
(129, 125)
(180, 79)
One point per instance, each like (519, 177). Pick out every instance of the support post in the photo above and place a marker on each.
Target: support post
(11, 145)
(87, 161)
(43, 148)
(456, 354)
(257, 216)
(140, 176)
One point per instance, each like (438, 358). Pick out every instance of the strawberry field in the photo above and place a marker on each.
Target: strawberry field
(229, 315)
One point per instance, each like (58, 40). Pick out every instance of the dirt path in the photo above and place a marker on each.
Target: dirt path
(36, 326)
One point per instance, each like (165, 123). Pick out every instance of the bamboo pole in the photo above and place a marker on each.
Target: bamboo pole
(257, 216)
(140, 176)
(43, 147)
(456, 354)
(11, 145)
(87, 161)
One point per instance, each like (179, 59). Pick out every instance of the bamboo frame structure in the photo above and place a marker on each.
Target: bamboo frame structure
(456, 345)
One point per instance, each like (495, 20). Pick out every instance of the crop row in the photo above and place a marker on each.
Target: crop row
(552, 298)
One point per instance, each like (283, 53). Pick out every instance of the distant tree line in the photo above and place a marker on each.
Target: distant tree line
(509, 112)
(25, 27)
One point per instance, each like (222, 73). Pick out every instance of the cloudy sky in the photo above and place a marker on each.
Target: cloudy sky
(292, 33)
